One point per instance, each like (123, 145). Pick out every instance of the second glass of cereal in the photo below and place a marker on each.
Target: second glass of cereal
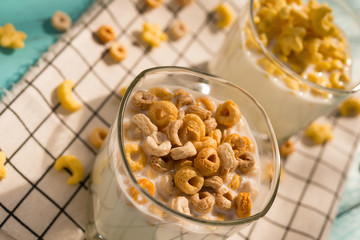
(183, 160)
(297, 58)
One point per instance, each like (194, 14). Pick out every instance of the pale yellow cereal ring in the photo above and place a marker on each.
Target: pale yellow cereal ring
(3, 171)
(226, 15)
(138, 164)
(118, 52)
(350, 107)
(98, 136)
(228, 114)
(106, 33)
(66, 98)
(61, 21)
(73, 164)
(162, 112)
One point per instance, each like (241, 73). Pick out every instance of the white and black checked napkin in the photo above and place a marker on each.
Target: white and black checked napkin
(35, 200)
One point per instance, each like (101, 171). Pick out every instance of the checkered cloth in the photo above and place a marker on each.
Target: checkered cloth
(36, 202)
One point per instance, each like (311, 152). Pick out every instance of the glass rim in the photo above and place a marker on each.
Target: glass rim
(274, 183)
(288, 71)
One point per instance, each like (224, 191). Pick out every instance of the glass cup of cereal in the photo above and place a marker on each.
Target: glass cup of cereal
(189, 155)
(296, 57)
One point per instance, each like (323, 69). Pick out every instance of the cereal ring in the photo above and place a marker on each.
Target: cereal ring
(210, 125)
(145, 184)
(216, 135)
(214, 182)
(179, 92)
(184, 100)
(193, 128)
(161, 165)
(118, 51)
(106, 33)
(243, 205)
(208, 104)
(167, 185)
(162, 112)
(178, 30)
(132, 131)
(228, 113)
(157, 144)
(350, 107)
(188, 150)
(202, 202)
(66, 98)
(73, 164)
(227, 156)
(237, 142)
(235, 182)
(287, 148)
(154, 3)
(3, 171)
(10, 38)
(207, 161)
(224, 199)
(246, 162)
(132, 150)
(226, 14)
(182, 163)
(98, 136)
(189, 180)
(61, 21)
(206, 142)
(202, 113)
(153, 35)
(319, 132)
(143, 100)
(172, 131)
(180, 204)
(162, 93)
(144, 123)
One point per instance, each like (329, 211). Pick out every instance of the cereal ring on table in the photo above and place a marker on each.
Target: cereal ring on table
(162, 93)
(154, 3)
(237, 142)
(202, 113)
(118, 51)
(210, 125)
(172, 131)
(162, 112)
(184, 100)
(206, 142)
(214, 182)
(207, 162)
(243, 205)
(246, 162)
(193, 128)
(224, 199)
(145, 184)
(133, 149)
(178, 30)
(189, 180)
(186, 151)
(3, 171)
(157, 144)
(182, 163)
(98, 136)
(106, 33)
(226, 14)
(180, 204)
(180, 92)
(167, 185)
(350, 107)
(287, 148)
(185, 2)
(216, 135)
(66, 98)
(227, 156)
(73, 164)
(208, 104)
(202, 202)
(131, 131)
(235, 182)
(143, 100)
(144, 123)
(61, 21)
(228, 113)
(161, 164)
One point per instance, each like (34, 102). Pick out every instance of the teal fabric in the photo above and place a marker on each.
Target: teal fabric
(33, 18)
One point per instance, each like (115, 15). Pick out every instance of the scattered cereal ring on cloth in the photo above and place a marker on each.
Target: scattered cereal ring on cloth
(73, 164)
(98, 136)
(320, 133)
(106, 33)
(178, 30)
(10, 38)
(350, 107)
(66, 98)
(153, 35)
(118, 52)
(3, 171)
(225, 14)
(61, 21)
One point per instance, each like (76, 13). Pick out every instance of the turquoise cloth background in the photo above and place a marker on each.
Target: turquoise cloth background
(33, 18)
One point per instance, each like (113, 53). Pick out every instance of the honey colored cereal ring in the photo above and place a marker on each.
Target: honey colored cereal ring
(106, 33)
(73, 164)
(228, 114)
(143, 100)
(141, 161)
(193, 128)
(243, 205)
(98, 136)
(3, 171)
(206, 142)
(162, 93)
(207, 162)
(208, 104)
(287, 148)
(61, 21)
(162, 112)
(145, 184)
(189, 180)
(118, 52)
(184, 100)
(237, 142)
(66, 99)
(216, 135)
